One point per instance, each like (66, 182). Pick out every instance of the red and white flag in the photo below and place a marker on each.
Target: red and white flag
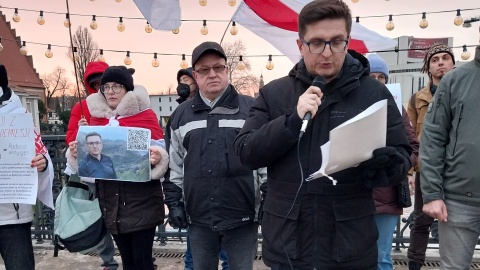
(161, 14)
(276, 21)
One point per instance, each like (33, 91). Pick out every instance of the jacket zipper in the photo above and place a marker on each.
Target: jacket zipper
(457, 126)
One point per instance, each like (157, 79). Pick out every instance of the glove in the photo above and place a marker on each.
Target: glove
(177, 216)
(378, 169)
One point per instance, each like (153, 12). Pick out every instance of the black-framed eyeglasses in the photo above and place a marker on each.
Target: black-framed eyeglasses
(318, 45)
(116, 88)
(94, 143)
(206, 70)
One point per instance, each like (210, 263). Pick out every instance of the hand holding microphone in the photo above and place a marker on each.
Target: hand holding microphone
(309, 101)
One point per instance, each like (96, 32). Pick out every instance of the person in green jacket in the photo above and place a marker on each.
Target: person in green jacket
(449, 153)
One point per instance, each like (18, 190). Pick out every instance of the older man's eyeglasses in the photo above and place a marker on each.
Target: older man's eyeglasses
(94, 143)
(115, 88)
(318, 46)
(206, 70)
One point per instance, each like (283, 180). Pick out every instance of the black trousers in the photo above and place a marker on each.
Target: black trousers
(16, 246)
(419, 233)
(136, 249)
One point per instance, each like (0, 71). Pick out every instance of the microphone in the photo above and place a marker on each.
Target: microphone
(319, 82)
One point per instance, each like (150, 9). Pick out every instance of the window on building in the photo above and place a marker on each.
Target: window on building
(159, 99)
(170, 99)
(160, 108)
(170, 108)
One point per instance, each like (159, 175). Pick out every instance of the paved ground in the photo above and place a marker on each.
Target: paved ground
(170, 257)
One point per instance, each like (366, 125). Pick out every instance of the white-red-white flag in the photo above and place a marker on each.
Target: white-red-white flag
(276, 21)
(161, 14)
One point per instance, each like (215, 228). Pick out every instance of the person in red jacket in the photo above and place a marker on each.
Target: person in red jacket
(80, 114)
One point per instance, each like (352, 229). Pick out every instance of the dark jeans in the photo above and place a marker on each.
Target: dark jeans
(419, 233)
(16, 246)
(189, 259)
(136, 249)
(240, 244)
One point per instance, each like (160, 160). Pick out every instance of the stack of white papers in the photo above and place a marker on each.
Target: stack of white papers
(354, 141)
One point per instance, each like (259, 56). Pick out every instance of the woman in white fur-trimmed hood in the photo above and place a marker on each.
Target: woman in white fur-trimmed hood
(131, 210)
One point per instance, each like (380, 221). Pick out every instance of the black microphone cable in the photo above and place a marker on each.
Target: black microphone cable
(294, 201)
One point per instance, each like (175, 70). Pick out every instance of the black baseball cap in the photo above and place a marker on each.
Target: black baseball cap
(208, 46)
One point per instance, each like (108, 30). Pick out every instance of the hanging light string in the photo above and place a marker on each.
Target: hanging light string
(201, 20)
(247, 56)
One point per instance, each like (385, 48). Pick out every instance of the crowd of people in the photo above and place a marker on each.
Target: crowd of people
(229, 163)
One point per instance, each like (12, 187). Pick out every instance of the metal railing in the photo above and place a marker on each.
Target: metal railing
(43, 218)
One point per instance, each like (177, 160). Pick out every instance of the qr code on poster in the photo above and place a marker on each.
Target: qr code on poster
(138, 139)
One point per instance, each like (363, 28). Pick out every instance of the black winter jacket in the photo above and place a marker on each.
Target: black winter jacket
(326, 227)
(218, 191)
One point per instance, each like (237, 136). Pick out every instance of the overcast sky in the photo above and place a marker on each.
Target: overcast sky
(158, 79)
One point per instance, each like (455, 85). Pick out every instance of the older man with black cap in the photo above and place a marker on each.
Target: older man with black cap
(208, 189)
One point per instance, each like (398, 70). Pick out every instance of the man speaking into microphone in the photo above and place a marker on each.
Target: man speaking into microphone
(315, 224)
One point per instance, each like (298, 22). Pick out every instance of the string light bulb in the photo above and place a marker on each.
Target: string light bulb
(202, 2)
(76, 57)
(23, 49)
(93, 23)
(423, 23)
(204, 29)
(465, 54)
(127, 61)
(120, 26)
(458, 20)
(48, 52)
(234, 29)
(40, 19)
(390, 25)
(270, 64)
(118, 1)
(1, 46)
(232, 3)
(176, 31)
(155, 62)
(355, 1)
(16, 17)
(148, 28)
(241, 64)
(66, 23)
(101, 58)
(184, 63)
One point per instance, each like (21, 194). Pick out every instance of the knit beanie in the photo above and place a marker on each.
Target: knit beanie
(377, 64)
(186, 71)
(118, 74)
(437, 48)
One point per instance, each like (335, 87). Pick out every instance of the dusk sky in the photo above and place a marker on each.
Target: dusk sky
(157, 80)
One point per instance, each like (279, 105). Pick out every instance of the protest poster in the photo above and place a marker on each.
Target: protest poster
(18, 180)
(114, 153)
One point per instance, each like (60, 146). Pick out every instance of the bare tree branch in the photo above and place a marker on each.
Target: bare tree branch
(87, 51)
(56, 83)
(242, 80)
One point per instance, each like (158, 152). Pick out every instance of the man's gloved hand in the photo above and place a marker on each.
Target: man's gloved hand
(177, 216)
(381, 166)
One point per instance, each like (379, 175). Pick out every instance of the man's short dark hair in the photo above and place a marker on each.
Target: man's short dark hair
(91, 134)
(319, 10)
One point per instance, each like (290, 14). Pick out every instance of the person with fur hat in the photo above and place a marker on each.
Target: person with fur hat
(16, 218)
(387, 207)
(131, 210)
(80, 116)
(438, 60)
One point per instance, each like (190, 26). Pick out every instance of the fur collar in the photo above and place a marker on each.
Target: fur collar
(132, 103)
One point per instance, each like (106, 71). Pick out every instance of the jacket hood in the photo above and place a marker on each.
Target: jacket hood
(93, 68)
(354, 67)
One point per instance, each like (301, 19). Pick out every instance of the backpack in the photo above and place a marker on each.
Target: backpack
(78, 222)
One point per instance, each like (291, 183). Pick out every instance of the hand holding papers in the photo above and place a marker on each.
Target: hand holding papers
(354, 141)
